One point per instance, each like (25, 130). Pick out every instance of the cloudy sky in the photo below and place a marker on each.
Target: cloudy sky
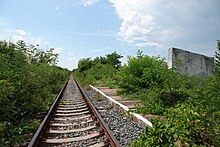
(90, 28)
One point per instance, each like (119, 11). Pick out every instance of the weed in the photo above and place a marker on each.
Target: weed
(98, 99)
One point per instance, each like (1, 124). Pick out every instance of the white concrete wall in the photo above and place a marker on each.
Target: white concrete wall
(190, 63)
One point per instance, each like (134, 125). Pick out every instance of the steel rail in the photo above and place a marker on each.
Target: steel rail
(113, 141)
(42, 128)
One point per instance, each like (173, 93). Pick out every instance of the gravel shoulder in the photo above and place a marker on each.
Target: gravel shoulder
(123, 128)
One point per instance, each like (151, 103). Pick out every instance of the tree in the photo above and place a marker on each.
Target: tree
(35, 55)
(113, 59)
(140, 54)
(38, 56)
(84, 64)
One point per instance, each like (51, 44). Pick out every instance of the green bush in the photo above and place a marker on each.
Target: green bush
(190, 104)
(154, 84)
(28, 81)
(101, 71)
(141, 72)
(187, 124)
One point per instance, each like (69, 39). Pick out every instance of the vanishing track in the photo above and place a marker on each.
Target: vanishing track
(73, 121)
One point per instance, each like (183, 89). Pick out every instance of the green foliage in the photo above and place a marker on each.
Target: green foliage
(110, 59)
(141, 72)
(190, 106)
(179, 129)
(149, 79)
(98, 99)
(100, 71)
(28, 82)
(84, 64)
(113, 59)
(13, 135)
(191, 123)
(209, 100)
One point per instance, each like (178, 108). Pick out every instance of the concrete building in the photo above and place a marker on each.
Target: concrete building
(190, 63)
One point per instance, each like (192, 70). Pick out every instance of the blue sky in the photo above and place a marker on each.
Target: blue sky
(90, 28)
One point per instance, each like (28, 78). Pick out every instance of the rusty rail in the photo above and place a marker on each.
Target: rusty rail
(42, 128)
(113, 141)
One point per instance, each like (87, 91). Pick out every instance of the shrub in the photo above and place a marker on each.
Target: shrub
(184, 126)
(28, 82)
(100, 71)
(191, 106)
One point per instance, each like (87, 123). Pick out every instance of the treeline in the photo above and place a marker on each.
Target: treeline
(99, 71)
(189, 104)
(29, 81)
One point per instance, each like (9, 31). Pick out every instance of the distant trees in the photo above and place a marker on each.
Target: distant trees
(113, 59)
(110, 59)
(101, 70)
(84, 64)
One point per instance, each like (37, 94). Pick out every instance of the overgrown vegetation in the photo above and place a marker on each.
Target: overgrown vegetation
(159, 88)
(29, 80)
(100, 71)
(190, 104)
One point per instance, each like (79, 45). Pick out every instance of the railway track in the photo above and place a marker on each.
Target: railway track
(73, 121)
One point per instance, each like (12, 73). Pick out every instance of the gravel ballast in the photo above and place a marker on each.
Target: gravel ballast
(122, 127)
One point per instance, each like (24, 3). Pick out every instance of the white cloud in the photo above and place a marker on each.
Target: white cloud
(13, 34)
(70, 61)
(102, 49)
(37, 41)
(99, 33)
(58, 7)
(16, 38)
(135, 23)
(41, 42)
(2, 23)
(145, 44)
(58, 50)
(88, 3)
(21, 32)
(169, 23)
